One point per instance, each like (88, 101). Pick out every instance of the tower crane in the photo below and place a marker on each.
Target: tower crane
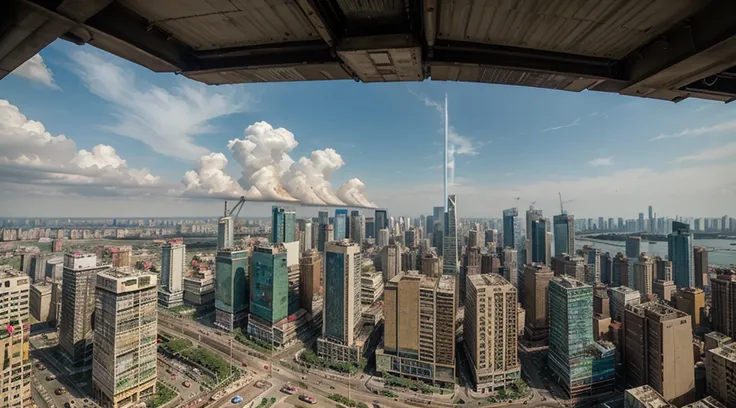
(236, 209)
(562, 209)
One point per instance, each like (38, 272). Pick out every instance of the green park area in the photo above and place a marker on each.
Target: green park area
(164, 394)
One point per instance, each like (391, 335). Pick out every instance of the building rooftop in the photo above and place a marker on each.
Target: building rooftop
(727, 351)
(43, 287)
(624, 290)
(649, 397)
(717, 336)
(491, 279)
(663, 311)
(569, 282)
(343, 243)
(9, 272)
(124, 272)
(446, 282)
(707, 402)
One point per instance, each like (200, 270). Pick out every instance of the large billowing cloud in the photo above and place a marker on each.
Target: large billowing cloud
(270, 174)
(29, 154)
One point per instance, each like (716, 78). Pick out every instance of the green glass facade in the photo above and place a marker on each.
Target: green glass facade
(269, 289)
(334, 299)
(231, 281)
(571, 342)
(283, 225)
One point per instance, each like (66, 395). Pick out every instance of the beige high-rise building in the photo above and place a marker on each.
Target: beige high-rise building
(690, 301)
(664, 289)
(721, 373)
(536, 299)
(124, 357)
(419, 330)
(490, 331)
(173, 264)
(432, 265)
(77, 307)
(658, 350)
(644, 273)
(15, 371)
(390, 261)
(42, 307)
(310, 268)
(723, 302)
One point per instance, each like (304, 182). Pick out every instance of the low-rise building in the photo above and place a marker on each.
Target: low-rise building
(199, 290)
(371, 287)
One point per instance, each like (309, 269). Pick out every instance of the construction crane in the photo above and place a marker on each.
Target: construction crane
(531, 206)
(562, 209)
(235, 210)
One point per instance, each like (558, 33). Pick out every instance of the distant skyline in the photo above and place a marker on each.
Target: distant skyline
(613, 156)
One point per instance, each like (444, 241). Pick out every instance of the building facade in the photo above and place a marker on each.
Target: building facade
(124, 358)
(15, 371)
(283, 224)
(644, 273)
(490, 332)
(564, 232)
(310, 272)
(450, 258)
(723, 302)
(680, 252)
(173, 261)
(536, 298)
(77, 306)
(419, 332)
(341, 310)
(721, 373)
(232, 290)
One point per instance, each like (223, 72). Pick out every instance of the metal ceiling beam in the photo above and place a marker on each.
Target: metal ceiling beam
(701, 46)
(449, 52)
(326, 17)
(129, 28)
(278, 55)
(36, 24)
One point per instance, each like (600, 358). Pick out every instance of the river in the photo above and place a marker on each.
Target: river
(723, 254)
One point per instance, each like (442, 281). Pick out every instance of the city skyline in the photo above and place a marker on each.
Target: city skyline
(87, 97)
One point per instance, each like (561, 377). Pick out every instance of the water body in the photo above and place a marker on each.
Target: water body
(722, 252)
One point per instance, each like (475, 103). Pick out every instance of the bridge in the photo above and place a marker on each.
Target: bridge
(661, 49)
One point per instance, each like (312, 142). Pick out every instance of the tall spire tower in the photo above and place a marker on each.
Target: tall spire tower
(447, 132)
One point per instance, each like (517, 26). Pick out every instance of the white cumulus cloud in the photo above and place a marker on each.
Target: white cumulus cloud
(36, 70)
(602, 161)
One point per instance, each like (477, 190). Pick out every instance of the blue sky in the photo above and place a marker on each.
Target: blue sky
(595, 148)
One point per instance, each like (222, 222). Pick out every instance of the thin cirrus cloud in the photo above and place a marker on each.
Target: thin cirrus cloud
(30, 155)
(727, 151)
(569, 125)
(703, 130)
(602, 161)
(270, 174)
(167, 121)
(35, 69)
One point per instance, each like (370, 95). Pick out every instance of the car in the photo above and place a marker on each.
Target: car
(173, 378)
(50, 377)
(244, 364)
(40, 366)
(60, 391)
(237, 399)
(265, 366)
(308, 398)
(186, 384)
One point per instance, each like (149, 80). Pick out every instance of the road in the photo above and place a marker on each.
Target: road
(318, 386)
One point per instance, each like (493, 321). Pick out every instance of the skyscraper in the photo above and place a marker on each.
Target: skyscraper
(680, 252)
(439, 229)
(341, 311)
(305, 235)
(173, 259)
(511, 228)
(538, 235)
(536, 284)
(124, 357)
(324, 224)
(449, 251)
(225, 232)
(77, 307)
(723, 302)
(310, 268)
(644, 274)
(15, 372)
(490, 332)
(658, 350)
(652, 228)
(269, 291)
(571, 334)
(621, 297)
(700, 265)
(340, 227)
(357, 227)
(721, 364)
(382, 238)
(232, 291)
(531, 216)
(390, 261)
(419, 333)
(620, 270)
(633, 247)
(283, 224)
(381, 217)
(564, 232)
